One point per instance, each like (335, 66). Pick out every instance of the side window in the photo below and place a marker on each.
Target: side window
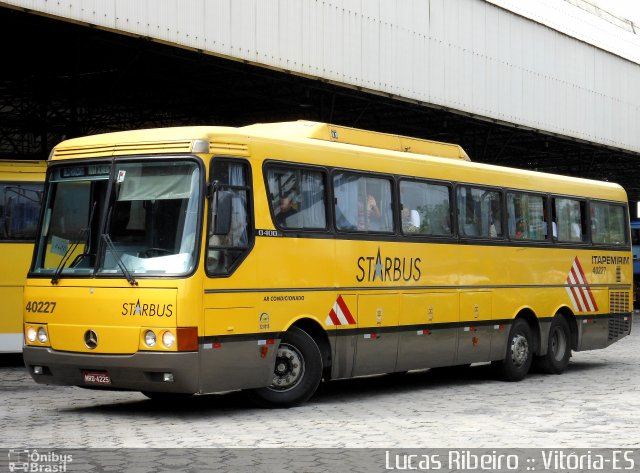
(297, 197)
(362, 203)
(526, 218)
(479, 212)
(608, 224)
(19, 210)
(229, 234)
(426, 208)
(569, 219)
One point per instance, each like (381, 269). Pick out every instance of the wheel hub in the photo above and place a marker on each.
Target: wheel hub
(289, 368)
(519, 350)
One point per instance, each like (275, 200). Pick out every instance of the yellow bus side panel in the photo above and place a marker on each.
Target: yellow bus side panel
(495, 286)
(11, 312)
(14, 264)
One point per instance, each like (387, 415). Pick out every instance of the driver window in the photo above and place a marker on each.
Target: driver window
(225, 250)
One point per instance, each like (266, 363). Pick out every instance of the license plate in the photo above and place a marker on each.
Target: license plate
(96, 377)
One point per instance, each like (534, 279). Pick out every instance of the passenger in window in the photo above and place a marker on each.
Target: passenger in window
(595, 227)
(554, 227)
(493, 233)
(576, 231)
(373, 215)
(495, 229)
(410, 220)
(521, 229)
(286, 209)
(373, 212)
(471, 226)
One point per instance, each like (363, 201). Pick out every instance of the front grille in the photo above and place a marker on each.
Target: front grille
(619, 302)
(619, 326)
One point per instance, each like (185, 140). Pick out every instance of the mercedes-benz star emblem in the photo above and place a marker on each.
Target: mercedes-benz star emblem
(91, 339)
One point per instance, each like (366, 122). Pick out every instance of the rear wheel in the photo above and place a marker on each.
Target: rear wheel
(519, 355)
(296, 374)
(556, 360)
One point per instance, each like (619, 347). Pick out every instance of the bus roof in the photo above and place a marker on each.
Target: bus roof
(180, 139)
(408, 154)
(358, 137)
(20, 170)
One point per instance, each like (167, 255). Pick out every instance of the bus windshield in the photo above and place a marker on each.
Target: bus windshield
(146, 225)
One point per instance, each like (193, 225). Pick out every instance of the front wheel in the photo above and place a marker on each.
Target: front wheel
(519, 355)
(556, 360)
(296, 374)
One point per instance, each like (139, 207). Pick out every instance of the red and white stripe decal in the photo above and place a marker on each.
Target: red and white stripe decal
(340, 314)
(579, 293)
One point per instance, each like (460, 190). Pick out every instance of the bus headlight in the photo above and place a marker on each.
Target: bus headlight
(42, 335)
(31, 334)
(150, 338)
(168, 339)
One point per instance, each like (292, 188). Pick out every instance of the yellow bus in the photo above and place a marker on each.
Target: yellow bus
(269, 257)
(21, 187)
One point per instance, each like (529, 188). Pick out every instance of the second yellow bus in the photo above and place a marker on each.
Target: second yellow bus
(21, 187)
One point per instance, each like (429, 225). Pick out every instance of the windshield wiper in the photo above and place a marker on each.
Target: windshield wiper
(67, 254)
(107, 239)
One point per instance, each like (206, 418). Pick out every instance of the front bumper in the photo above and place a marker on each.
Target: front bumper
(141, 371)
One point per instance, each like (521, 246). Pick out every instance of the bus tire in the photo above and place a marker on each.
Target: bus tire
(519, 356)
(556, 360)
(296, 374)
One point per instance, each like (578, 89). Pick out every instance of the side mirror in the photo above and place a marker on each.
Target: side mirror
(222, 212)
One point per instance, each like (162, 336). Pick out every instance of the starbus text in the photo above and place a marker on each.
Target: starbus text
(388, 269)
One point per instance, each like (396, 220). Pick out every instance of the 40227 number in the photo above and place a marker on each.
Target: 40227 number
(40, 307)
